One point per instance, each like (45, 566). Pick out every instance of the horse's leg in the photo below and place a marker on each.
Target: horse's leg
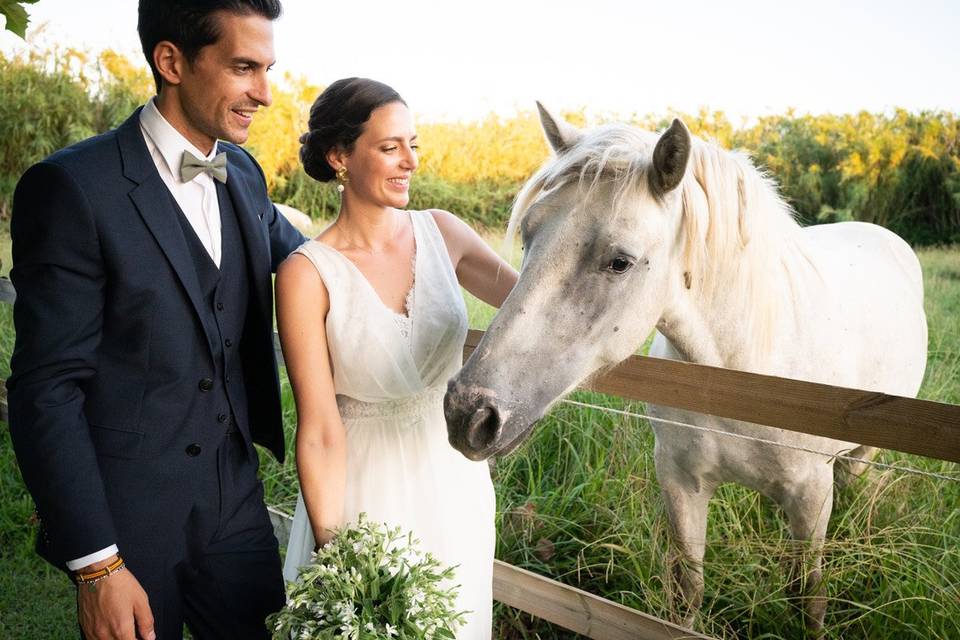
(847, 471)
(808, 506)
(687, 514)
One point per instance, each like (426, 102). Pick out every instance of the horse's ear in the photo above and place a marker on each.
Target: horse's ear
(560, 134)
(670, 158)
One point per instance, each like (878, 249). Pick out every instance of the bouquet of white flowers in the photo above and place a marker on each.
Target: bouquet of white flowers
(369, 583)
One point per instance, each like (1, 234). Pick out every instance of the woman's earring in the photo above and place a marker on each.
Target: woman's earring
(342, 178)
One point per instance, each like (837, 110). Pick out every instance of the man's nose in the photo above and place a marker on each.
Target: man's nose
(261, 92)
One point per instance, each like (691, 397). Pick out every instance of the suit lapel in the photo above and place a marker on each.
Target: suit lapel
(254, 235)
(153, 200)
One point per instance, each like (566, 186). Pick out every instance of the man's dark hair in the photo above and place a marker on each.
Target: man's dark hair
(191, 24)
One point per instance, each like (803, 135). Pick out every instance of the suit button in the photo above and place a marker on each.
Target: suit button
(193, 450)
(219, 306)
(228, 342)
(206, 384)
(222, 417)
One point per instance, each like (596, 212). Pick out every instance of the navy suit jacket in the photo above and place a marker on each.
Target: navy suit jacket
(103, 395)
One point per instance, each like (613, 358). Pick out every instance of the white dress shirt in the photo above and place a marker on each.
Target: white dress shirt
(198, 200)
(198, 197)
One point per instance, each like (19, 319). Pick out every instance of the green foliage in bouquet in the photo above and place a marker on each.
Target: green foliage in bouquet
(370, 582)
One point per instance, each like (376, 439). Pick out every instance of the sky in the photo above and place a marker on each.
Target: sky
(453, 59)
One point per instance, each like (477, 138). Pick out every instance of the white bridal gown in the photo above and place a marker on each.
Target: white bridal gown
(390, 372)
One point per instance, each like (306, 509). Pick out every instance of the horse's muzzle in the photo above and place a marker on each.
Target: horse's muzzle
(474, 421)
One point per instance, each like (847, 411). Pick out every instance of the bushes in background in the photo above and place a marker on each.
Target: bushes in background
(900, 170)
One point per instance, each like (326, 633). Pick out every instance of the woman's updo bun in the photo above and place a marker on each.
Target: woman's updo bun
(336, 120)
(313, 155)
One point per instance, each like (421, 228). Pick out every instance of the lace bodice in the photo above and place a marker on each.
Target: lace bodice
(405, 327)
(403, 320)
(377, 354)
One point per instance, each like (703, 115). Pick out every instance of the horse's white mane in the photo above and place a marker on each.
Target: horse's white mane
(615, 152)
(735, 226)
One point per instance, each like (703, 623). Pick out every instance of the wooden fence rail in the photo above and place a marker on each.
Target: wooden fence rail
(922, 427)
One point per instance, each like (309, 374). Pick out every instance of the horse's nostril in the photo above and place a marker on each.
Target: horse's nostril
(484, 428)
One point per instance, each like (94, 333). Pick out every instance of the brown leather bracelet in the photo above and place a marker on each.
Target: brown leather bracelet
(100, 574)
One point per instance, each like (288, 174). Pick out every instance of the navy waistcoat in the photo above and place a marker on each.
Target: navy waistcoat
(226, 296)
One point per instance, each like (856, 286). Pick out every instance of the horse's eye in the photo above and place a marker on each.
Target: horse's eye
(620, 264)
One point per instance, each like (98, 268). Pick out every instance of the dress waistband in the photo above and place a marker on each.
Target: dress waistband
(415, 405)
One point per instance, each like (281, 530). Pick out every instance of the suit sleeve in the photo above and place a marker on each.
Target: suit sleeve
(284, 237)
(58, 273)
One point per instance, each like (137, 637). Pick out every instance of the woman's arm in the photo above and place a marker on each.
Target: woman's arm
(479, 269)
(302, 305)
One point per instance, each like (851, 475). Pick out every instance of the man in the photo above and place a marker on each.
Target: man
(143, 370)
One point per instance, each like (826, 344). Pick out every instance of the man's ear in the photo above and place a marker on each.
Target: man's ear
(169, 62)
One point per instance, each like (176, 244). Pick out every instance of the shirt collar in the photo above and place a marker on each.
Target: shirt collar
(169, 142)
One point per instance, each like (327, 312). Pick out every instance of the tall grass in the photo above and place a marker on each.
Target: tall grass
(579, 502)
(941, 280)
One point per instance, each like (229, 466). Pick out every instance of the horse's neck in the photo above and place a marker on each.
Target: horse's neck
(691, 335)
(723, 329)
(742, 266)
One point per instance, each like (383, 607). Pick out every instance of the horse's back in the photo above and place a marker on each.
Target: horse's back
(872, 298)
(874, 246)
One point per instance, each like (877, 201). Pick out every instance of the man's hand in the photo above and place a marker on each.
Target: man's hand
(115, 608)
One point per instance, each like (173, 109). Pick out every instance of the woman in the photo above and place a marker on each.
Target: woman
(372, 325)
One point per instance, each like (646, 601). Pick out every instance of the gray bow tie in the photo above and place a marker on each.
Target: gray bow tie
(191, 166)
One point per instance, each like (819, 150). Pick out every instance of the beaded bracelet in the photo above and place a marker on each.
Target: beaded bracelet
(96, 576)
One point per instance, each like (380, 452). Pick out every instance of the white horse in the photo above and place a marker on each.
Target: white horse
(625, 231)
